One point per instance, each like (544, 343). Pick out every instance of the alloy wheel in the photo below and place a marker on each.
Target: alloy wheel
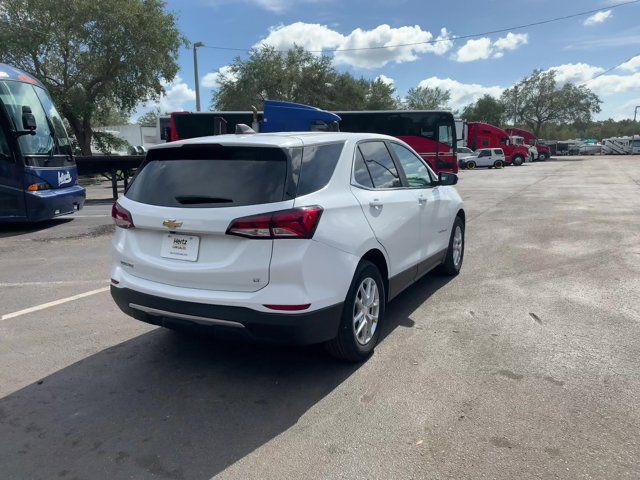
(457, 246)
(366, 310)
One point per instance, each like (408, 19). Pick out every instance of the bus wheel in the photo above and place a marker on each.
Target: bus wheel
(498, 164)
(518, 160)
(471, 165)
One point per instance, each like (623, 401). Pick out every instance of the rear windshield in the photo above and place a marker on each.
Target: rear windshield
(213, 176)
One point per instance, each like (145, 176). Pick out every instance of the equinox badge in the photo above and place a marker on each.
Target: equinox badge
(172, 224)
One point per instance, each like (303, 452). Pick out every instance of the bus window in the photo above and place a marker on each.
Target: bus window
(445, 135)
(15, 95)
(58, 126)
(5, 153)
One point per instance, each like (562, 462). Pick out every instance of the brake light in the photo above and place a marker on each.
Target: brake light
(121, 216)
(293, 223)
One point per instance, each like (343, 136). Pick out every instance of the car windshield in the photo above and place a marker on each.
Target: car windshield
(50, 137)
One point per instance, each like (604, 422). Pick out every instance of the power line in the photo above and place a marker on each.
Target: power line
(447, 39)
(604, 72)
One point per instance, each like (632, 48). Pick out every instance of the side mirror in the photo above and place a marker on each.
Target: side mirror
(28, 120)
(447, 179)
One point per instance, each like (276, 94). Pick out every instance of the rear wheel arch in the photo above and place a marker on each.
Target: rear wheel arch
(376, 257)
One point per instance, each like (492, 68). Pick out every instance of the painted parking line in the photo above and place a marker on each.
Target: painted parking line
(52, 304)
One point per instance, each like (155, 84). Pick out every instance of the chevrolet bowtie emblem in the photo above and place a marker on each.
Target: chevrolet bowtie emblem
(172, 224)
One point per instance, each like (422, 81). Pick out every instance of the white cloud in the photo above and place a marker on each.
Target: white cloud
(177, 94)
(575, 72)
(473, 50)
(631, 65)
(313, 36)
(462, 94)
(384, 35)
(483, 48)
(212, 79)
(175, 99)
(605, 42)
(384, 79)
(597, 18)
(511, 42)
(624, 111)
(612, 84)
(604, 85)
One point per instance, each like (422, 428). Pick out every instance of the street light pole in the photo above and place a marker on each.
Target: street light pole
(195, 72)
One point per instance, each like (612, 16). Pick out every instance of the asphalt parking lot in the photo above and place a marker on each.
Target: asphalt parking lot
(527, 365)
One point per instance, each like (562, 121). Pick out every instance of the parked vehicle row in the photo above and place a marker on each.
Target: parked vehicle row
(430, 133)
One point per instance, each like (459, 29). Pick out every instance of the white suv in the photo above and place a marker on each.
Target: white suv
(485, 157)
(295, 237)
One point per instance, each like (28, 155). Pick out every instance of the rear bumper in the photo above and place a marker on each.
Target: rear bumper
(47, 204)
(231, 321)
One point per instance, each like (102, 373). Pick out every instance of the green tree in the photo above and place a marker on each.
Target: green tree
(92, 55)
(537, 101)
(296, 76)
(485, 109)
(109, 115)
(150, 119)
(427, 98)
(380, 96)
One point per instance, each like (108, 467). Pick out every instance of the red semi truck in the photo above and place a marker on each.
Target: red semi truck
(544, 152)
(484, 135)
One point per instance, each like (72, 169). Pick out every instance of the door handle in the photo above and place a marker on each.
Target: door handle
(422, 200)
(375, 203)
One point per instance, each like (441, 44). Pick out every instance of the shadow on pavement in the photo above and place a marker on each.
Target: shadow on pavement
(15, 229)
(169, 405)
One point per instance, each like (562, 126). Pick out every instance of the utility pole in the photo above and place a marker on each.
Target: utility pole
(515, 106)
(195, 72)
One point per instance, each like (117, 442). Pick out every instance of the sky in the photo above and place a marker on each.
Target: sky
(577, 48)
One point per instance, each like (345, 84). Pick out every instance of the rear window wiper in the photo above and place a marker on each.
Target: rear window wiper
(200, 199)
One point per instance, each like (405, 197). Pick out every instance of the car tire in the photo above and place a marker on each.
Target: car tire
(355, 342)
(518, 160)
(455, 253)
(471, 165)
(542, 157)
(498, 164)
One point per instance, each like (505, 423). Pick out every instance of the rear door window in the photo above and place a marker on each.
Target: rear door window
(361, 172)
(380, 164)
(212, 176)
(318, 165)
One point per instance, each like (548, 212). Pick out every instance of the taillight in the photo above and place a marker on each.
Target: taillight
(294, 223)
(121, 216)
